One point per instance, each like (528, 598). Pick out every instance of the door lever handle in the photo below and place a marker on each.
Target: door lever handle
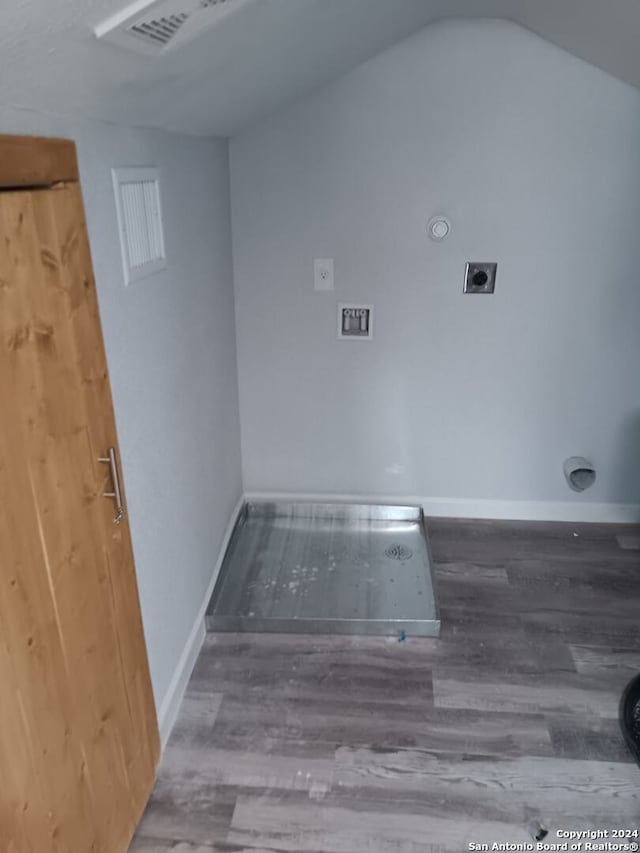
(111, 461)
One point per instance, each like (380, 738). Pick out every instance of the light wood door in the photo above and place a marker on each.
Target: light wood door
(78, 734)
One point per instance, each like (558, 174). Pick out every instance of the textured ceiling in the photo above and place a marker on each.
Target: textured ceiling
(266, 54)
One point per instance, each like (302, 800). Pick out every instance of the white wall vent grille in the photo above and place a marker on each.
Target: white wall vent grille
(137, 193)
(161, 25)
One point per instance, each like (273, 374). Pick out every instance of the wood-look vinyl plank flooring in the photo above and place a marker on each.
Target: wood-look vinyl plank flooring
(327, 744)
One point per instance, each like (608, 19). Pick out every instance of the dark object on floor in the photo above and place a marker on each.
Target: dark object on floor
(402, 636)
(537, 831)
(630, 716)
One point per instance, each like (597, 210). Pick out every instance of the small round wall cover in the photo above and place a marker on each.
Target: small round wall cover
(439, 228)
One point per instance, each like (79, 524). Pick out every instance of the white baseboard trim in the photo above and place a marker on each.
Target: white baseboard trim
(168, 711)
(170, 705)
(533, 510)
(572, 511)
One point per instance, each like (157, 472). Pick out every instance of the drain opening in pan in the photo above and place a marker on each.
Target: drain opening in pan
(398, 552)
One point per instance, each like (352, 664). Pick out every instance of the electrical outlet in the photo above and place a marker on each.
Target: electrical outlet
(480, 277)
(323, 274)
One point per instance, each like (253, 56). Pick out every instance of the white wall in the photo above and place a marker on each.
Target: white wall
(171, 351)
(535, 156)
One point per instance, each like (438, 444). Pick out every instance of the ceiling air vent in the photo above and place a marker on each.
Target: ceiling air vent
(163, 25)
(159, 31)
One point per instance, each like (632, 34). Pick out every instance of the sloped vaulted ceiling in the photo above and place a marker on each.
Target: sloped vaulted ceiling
(264, 55)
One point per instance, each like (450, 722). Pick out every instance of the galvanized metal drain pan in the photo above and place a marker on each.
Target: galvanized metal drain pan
(326, 568)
